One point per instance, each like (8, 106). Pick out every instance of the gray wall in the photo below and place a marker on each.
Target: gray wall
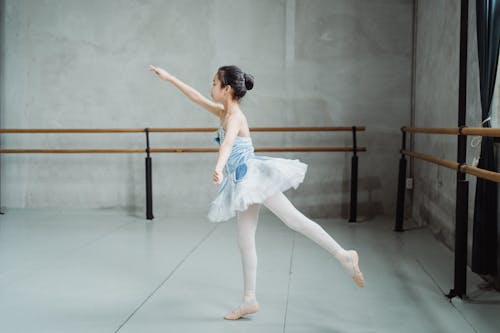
(316, 62)
(436, 105)
(437, 65)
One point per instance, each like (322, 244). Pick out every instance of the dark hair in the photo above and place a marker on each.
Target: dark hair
(237, 79)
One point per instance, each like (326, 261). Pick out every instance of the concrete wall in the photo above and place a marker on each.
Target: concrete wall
(316, 62)
(437, 55)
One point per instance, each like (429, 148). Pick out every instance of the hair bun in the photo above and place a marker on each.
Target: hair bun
(248, 81)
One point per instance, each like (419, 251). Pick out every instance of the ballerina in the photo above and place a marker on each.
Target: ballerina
(248, 181)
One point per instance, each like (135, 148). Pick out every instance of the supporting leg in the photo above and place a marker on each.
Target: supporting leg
(247, 226)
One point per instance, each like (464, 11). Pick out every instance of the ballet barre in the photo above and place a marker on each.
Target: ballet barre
(148, 150)
(173, 150)
(479, 131)
(462, 191)
(180, 130)
(464, 168)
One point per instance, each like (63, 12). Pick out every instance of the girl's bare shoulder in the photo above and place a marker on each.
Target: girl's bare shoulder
(234, 118)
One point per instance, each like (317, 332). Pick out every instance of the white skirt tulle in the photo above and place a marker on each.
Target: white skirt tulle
(265, 176)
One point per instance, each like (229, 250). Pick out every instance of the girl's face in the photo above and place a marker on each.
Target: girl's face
(219, 94)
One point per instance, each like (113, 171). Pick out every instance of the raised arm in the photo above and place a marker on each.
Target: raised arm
(190, 92)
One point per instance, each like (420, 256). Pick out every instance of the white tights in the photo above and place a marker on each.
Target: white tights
(279, 205)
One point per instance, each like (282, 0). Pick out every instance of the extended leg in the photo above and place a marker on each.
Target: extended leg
(283, 209)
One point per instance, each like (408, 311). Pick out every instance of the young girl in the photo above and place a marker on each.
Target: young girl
(247, 181)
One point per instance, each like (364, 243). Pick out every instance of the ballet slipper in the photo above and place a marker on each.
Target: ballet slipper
(357, 276)
(242, 311)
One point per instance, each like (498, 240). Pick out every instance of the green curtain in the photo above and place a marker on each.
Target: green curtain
(485, 229)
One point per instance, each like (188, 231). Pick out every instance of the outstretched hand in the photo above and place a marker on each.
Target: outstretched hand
(162, 74)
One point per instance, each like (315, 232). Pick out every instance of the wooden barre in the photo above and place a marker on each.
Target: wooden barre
(480, 131)
(75, 130)
(71, 151)
(431, 130)
(475, 131)
(481, 173)
(148, 150)
(311, 149)
(308, 129)
(180, 130)
(174, 150)
(432, 159)
(263, 129)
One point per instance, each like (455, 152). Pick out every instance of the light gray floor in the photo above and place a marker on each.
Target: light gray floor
(103, 271)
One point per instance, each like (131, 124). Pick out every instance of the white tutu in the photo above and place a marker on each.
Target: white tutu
(264, 177)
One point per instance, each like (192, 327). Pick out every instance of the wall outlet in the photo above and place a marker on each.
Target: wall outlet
(409, 183)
